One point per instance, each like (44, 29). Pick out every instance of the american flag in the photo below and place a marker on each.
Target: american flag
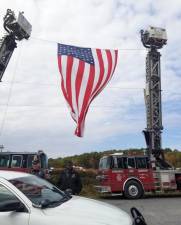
(84, 73)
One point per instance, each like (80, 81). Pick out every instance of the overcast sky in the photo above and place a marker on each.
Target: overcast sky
(33, 112)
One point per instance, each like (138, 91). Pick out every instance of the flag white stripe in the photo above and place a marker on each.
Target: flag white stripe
(110, 75)
(113, 54)
(105, 61)
(97, 70)
(73, 87)
(64, 70)
(83, 86)
(101, 86)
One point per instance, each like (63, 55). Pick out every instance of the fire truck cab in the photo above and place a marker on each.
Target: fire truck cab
(22, 161)
(132, 176)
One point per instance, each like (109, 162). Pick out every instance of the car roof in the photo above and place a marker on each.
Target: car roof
(8, 175)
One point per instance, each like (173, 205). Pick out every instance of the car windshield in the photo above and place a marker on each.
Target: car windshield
(40, 192)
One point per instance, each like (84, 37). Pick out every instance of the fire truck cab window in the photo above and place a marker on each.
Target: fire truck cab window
(30, 160)
(131, 163)
(4, 160)
(16, 161)
(119, 162)
(141, 163)
(105, 163)
(44, 161)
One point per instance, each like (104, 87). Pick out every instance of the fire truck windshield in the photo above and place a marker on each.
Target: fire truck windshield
(4, 160)
(105, 163)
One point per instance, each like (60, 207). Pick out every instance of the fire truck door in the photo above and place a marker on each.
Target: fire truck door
(118, 174)
(144, 173)
(131, 167)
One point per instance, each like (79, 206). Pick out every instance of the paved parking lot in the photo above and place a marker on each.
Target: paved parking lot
(156, 210)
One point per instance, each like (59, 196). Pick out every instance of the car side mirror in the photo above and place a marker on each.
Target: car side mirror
(68, 192)
(137, 217)
(15, 206)
(21, 207)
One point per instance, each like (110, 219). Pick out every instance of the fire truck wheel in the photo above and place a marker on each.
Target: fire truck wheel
(133, 190)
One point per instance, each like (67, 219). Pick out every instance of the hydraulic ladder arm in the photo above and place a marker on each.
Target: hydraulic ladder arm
(17, 29)
(153, 39)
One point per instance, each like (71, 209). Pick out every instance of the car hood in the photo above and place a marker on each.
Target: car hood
(81, 211)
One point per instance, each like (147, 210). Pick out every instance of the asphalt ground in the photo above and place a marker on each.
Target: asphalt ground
(156, 210)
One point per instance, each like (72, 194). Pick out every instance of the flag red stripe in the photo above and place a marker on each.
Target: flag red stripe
(79, 76)
(86, 101)
(62, 81)
(68, 80)
(109, 58)
(101, 73)
(115, 63)
(116, 54)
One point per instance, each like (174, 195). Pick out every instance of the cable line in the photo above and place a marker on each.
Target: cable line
(10, 93)
(120, 49)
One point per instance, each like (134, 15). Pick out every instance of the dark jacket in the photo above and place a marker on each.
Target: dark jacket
(70, 179)
(38, 173)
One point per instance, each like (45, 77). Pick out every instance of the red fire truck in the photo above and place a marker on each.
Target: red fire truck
(22, 161)
(134, 175)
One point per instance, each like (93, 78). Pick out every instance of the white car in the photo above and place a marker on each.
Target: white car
(28, 200)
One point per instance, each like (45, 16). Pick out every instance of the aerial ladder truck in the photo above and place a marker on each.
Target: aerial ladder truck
(134, 175)
(153, 39)
(16, 30)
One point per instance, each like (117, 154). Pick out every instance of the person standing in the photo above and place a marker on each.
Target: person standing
(69, 180)
(36, 168)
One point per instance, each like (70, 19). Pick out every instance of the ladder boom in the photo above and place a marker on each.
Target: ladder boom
(153, 39)
(17, 29)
